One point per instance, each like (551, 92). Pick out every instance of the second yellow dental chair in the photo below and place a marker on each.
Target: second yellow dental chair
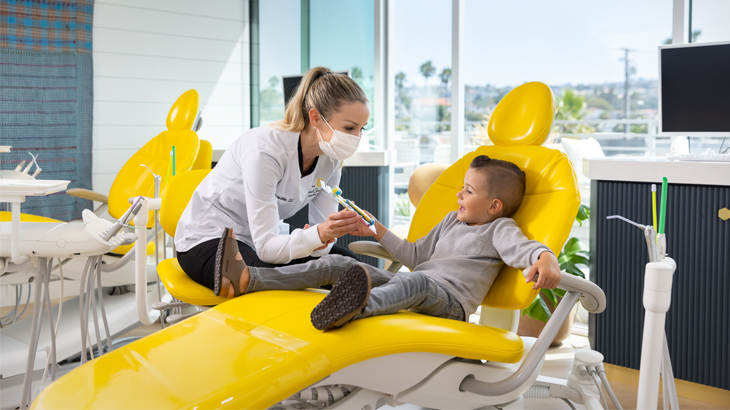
(257, 350)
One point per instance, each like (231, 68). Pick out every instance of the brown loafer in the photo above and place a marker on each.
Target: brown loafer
(348, 297)
(227, 264)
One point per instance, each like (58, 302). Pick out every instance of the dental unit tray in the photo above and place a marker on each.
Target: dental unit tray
(336, 193)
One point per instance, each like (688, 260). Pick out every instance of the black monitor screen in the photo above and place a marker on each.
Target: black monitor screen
(292, 82)
(290, 87)
(695, 89)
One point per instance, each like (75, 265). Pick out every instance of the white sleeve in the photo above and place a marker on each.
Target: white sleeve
(321, 206)
(261, 174)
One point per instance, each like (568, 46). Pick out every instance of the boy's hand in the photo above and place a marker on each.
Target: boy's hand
(363, 229)
(548, 271)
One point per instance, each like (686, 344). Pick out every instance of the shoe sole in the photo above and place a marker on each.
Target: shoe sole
(348, 297)
(219, 258)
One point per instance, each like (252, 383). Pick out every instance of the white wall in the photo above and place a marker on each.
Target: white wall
(147, 53)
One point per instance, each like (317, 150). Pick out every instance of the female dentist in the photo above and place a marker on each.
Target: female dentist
(269, 173)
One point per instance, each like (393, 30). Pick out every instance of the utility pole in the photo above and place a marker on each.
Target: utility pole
(627, 98)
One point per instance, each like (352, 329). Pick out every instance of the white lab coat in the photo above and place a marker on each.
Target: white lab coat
(253, 188)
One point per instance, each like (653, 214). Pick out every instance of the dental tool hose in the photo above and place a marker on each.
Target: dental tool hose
(58, 322)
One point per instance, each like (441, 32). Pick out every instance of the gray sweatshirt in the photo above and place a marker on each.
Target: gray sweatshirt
(463, 259)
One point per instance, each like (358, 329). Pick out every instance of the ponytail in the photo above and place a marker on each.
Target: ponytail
(321, 89)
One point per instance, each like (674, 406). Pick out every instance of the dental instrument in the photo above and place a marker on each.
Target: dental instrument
(20, 166)
(653, 205)
(336, 193)
(30, 164)
(158, 181)
(124, 220)
(655, 360)
(37, 167)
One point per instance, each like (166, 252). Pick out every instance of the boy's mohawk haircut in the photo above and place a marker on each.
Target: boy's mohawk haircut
(505, 181)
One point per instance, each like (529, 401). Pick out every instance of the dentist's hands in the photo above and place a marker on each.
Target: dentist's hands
(306, 226)
(338, 224)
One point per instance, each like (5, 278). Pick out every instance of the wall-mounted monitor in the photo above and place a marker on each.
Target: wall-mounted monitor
(694, 89)
(291, 82)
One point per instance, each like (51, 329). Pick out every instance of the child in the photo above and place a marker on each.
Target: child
(453, 266)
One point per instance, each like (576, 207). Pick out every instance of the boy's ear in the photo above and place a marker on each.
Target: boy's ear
(495, 207)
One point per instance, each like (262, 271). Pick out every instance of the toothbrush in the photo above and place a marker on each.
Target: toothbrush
(336, 193)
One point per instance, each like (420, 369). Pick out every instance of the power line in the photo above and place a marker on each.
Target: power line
(627, 75)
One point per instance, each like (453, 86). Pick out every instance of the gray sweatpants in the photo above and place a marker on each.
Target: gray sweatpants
(407, 290)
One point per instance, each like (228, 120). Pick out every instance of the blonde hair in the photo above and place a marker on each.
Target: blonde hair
(321, 89)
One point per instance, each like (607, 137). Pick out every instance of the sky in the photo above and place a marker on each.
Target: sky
(506, 42)
(556, 41)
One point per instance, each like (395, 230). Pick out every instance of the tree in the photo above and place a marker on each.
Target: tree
(695, 35)
(572, 107)
(445, 76)
(427, 70)
(357, 74)
(400, 80)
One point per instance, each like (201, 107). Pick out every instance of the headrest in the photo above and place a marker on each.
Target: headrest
(524, 116)
(184, 112)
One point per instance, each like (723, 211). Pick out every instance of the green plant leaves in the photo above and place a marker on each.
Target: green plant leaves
(537, 310)
(584, 212)
(574, 253)
(550, 294)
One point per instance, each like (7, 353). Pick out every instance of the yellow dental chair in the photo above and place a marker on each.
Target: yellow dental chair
(134, 180)
(257, 350)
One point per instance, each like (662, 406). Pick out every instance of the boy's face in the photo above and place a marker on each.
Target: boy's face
(476, 206)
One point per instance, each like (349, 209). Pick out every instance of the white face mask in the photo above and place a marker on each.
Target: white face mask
(342, 145)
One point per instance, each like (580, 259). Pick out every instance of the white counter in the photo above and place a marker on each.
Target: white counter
(652, 169)
(360, 159)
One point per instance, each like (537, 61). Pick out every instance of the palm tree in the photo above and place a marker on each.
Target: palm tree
(400, 80)
(357, 74)
(427, 70)
(445, 76)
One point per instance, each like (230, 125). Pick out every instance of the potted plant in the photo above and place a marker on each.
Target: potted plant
(535, 316)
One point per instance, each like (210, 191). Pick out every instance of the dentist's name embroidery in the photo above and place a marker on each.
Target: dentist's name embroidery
(313, 191)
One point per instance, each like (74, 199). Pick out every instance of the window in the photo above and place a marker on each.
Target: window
(592, 55)
(342, 38)
(421, 61)
(710, 21)
(279, 54)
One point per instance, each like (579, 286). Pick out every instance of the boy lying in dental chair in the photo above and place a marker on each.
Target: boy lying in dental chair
(453, 267)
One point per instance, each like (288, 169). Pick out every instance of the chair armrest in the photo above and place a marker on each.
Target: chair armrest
(373, 249)
(87, 194)
(591, 296)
